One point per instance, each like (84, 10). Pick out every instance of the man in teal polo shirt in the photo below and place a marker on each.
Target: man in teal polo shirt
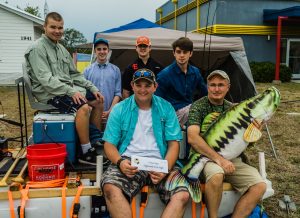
(143, 125)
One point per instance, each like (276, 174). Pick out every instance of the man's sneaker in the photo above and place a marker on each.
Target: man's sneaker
(89, 157)
(106, 162)
(98, 144)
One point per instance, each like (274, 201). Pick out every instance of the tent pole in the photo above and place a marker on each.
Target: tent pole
(273, 148)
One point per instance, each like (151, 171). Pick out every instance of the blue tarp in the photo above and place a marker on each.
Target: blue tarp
(138, 24)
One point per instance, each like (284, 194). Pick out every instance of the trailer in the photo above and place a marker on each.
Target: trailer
(46, 202)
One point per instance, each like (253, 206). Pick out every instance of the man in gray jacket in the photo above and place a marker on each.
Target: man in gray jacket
(56, 81)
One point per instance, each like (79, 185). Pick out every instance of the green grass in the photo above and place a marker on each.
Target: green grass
(284, 172)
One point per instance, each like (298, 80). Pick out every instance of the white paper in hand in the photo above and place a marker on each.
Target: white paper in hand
(150, 164)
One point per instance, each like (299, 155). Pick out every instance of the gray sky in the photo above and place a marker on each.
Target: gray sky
(90, 16)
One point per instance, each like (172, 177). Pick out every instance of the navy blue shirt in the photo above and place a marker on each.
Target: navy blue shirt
(177, 87)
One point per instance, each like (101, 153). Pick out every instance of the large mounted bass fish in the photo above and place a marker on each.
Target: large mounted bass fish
(229, 135)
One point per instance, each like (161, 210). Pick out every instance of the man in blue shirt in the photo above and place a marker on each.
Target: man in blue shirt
(178, 82)
(142, 125)
(105, 76)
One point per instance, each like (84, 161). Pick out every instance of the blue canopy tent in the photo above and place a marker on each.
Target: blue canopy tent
(138, 24)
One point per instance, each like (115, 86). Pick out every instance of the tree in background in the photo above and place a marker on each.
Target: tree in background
(72, 38)
(31, 10)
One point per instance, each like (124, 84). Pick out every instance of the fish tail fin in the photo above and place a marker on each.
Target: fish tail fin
(176, 179)
(195, 191)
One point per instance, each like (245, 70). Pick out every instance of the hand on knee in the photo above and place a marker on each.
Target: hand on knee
(96, 104)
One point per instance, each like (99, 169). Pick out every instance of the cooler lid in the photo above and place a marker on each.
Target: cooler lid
(54, 117)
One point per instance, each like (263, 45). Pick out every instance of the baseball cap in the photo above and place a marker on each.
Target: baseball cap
(143, 40)
(219, 73)
(144, 74)
(101, 40)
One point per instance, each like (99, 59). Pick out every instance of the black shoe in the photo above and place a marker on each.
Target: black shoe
(89, 157)
(100, 151)
(98, 144)
(106, 163)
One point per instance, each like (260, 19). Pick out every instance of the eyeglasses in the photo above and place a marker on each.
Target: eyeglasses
(219, 85)
(144, 73)
(143, 46)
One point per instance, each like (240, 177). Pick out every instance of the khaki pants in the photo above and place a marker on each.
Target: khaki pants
(242, 179)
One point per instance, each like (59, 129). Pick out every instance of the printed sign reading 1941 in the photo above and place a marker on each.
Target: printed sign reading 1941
(27, 38)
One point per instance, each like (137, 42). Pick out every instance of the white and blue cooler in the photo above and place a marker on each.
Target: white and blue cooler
(56, 128)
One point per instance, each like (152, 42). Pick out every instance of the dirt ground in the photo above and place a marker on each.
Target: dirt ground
(284, 127)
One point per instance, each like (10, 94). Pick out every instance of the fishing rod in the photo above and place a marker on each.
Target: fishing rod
(290, 101)
(187, 10)
(11, 122)
(205, 33)
(212, 23)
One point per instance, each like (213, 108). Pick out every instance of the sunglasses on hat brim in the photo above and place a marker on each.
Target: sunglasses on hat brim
(140, 74)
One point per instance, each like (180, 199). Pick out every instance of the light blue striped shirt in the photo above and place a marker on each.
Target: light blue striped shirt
(107, 78)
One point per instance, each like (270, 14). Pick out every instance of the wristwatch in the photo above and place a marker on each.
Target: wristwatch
(119, 162)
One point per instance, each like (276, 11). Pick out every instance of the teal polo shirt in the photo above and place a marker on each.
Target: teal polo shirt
(123, 118)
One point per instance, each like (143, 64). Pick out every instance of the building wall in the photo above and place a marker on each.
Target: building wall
(169, 24)
(168, 7)
(208, 14)
(247, 12)
(187, 21)
(37, 33)
(259, 48)
(16, 34)
(232, 12)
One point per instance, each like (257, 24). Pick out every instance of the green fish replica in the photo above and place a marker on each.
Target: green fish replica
(229, 135)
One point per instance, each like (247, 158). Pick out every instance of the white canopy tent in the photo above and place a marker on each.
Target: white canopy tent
(210, 52)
